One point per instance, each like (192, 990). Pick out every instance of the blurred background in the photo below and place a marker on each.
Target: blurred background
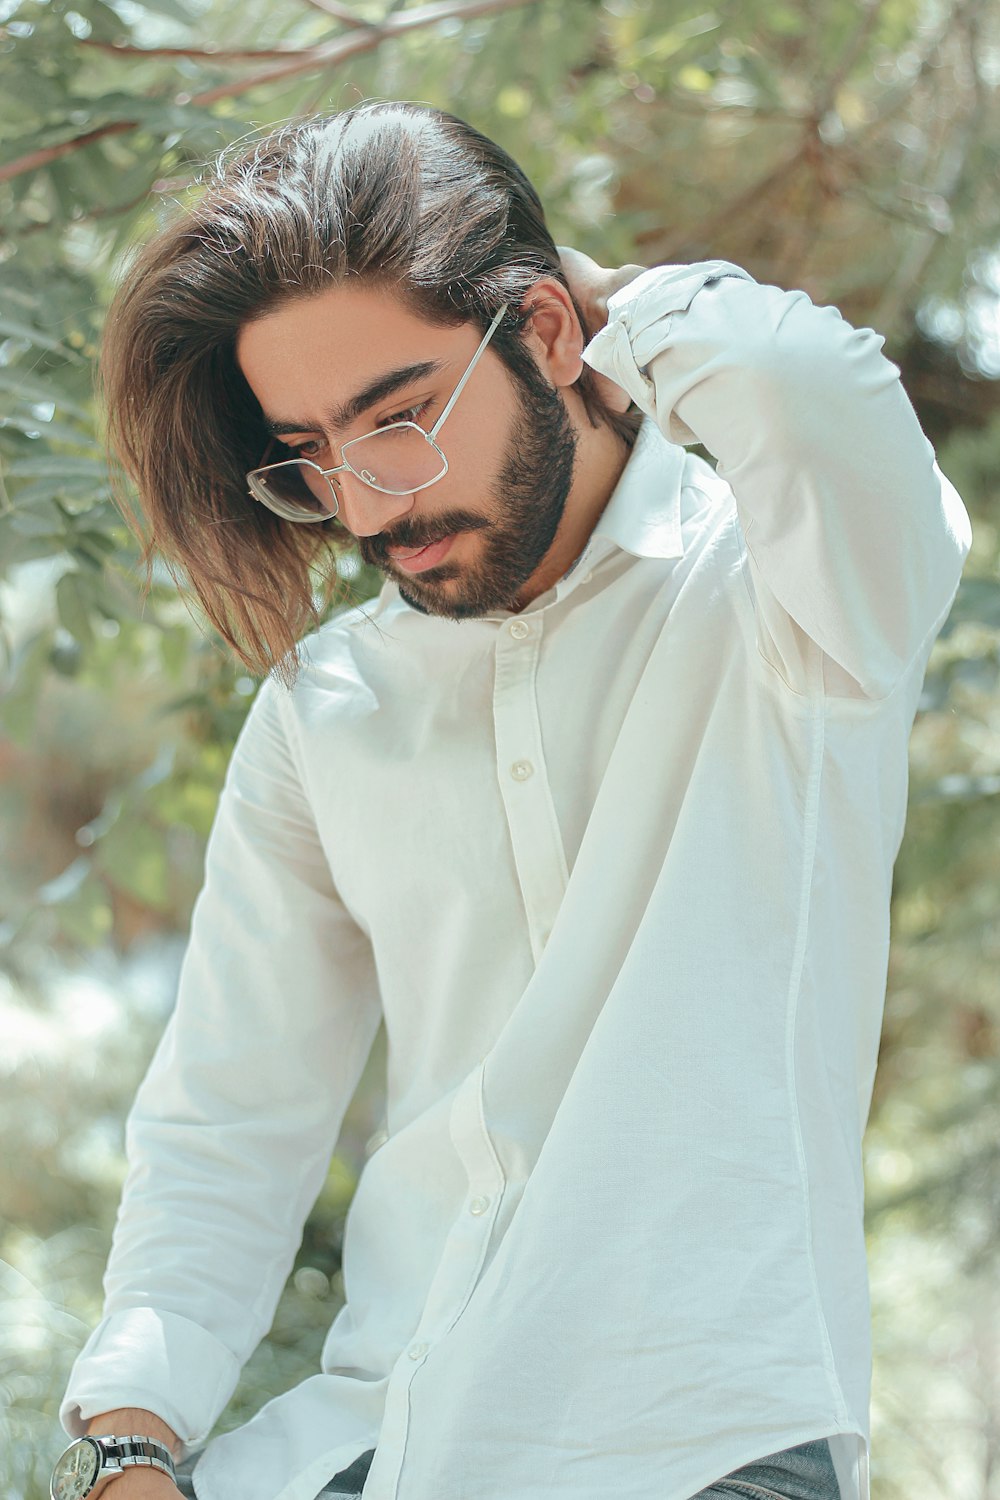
(851, 149)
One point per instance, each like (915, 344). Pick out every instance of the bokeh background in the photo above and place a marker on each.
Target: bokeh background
(851, 149)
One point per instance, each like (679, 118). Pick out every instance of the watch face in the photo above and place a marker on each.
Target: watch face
(76, 1470)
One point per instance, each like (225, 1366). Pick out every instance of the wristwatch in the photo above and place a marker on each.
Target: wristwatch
(88, 1460)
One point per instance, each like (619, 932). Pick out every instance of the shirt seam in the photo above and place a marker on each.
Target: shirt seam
(554, 831)
(811, 841)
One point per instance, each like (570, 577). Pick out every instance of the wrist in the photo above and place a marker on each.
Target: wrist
(126, 1419)
(84, 1469)
(137, 1483)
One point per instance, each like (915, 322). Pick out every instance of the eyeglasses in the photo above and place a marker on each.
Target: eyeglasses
(395, 460)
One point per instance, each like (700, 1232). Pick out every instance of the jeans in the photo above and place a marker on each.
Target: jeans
(802, 1473)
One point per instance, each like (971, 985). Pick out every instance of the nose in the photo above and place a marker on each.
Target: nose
(364, 511)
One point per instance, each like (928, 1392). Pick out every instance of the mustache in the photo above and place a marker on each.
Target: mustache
(375, 549)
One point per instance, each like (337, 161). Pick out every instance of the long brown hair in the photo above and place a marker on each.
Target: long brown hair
(396, 193)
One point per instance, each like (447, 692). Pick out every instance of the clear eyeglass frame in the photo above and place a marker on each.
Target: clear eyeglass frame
(289, 510)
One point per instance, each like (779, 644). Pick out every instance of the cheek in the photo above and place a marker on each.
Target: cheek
(478, 447)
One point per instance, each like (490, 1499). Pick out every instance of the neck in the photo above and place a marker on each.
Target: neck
(601, 455)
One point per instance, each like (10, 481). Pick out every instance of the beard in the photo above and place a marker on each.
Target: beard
(529, 497)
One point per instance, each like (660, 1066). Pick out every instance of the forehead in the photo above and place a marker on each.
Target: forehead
(330, 343)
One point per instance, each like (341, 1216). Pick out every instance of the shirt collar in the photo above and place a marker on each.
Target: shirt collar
(643, 515)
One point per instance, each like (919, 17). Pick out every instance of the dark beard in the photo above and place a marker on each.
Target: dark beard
(529, 498)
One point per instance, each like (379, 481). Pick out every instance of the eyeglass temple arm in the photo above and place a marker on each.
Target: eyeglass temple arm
(474, 362)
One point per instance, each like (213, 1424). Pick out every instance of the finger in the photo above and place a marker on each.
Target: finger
(612, 395)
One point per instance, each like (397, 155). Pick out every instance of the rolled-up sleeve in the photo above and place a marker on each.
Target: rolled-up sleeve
(849, 525)
(232, 1129)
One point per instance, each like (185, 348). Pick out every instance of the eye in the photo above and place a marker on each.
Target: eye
(411, 414)
(309, 449)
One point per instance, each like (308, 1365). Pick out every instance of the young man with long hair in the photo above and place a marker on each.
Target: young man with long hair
(595, 807)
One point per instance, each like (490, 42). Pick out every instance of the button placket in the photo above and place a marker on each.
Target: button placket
(531, 817)
(468, 1240)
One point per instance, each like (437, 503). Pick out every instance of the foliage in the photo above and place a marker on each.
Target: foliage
(852, 149)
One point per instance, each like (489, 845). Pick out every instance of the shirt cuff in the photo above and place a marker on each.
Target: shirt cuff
(158, 1361)
(639, 322)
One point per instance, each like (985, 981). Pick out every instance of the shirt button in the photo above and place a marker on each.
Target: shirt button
(479, 1205)
(521, 770)
(519, 629)
(417, 1351)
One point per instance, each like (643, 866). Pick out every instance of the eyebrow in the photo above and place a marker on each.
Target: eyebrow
(355, 406)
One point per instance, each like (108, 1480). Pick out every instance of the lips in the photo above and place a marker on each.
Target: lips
(419, 559)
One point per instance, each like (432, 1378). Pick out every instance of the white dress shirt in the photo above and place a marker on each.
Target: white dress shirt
(616, 872)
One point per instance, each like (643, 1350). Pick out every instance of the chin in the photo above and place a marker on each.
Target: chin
(447, 604)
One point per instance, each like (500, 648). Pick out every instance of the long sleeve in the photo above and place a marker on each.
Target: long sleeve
(852, 533)
(232, 1129)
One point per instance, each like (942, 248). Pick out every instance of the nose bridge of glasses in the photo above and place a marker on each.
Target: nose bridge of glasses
(347, 464)
(364, 508)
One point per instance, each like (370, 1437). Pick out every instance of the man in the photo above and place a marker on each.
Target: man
(596, 806)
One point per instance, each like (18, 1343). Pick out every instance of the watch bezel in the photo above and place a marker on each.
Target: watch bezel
(99, 1457)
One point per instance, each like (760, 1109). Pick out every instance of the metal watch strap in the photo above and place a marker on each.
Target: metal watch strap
(137, 1451)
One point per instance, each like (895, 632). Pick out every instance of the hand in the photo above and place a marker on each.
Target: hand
(591, 286)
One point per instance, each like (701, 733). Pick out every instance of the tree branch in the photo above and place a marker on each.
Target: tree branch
(654, 242)
(827, 99)
(209, 52)
(41, 158)
(897, 95)
(323, 56)
(353, 46)
(952, 173)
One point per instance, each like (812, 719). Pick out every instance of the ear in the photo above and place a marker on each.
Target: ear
(553, 332)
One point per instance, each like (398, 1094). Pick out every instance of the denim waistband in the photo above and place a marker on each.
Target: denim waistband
(804, 1472)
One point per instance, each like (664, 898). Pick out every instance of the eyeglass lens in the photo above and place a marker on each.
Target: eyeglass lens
(399, 459)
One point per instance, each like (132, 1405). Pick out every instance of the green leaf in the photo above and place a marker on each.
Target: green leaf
(695, 79)
(171, 8)
(15, 329)
(74, 604)
(40, 518)
(30, 389)
(95, 546)
(15, 549)
(49, 432)
(175, 650)
(58, 466)
(81, 493)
